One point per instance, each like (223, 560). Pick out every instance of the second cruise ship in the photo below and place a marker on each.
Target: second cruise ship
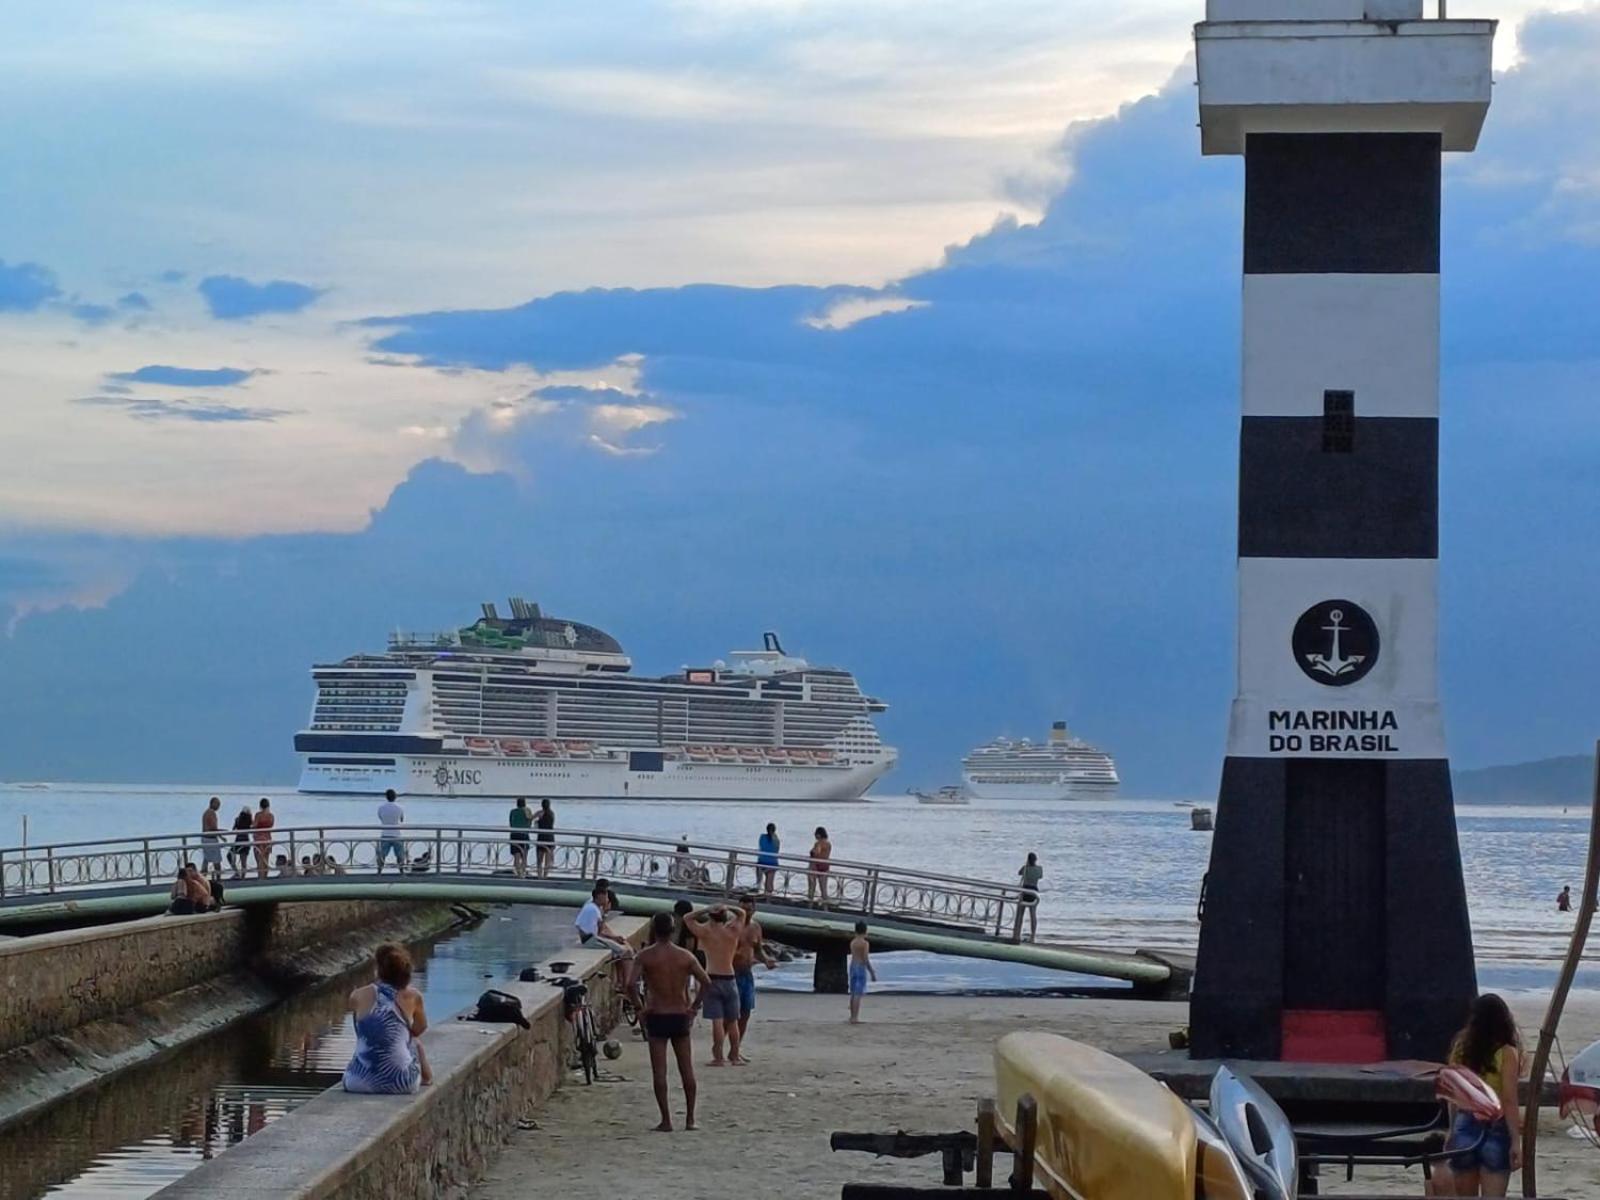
(1064, 768)
(530, 705)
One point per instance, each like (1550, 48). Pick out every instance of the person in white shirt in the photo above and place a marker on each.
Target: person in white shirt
(391, 816)
(591, 924)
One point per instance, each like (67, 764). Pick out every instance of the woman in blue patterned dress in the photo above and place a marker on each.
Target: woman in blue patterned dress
(389, 1018)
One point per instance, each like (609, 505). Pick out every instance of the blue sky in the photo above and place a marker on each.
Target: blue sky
(905, 330)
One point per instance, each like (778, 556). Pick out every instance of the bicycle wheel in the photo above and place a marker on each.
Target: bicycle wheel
(588, 1047)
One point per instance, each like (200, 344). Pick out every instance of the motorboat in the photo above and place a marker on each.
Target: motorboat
(945, 795)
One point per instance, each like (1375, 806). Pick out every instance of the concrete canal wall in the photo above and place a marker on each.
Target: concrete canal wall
(78, 1006)
(434, 1144)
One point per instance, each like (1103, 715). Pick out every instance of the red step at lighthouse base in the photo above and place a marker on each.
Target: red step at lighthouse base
(1312, 1035)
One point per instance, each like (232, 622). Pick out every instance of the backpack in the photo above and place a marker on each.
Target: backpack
(500, 1008)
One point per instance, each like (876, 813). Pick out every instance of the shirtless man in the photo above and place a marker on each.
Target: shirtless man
(659, 985)
(752, 945)
(718, 930)
(860, 969)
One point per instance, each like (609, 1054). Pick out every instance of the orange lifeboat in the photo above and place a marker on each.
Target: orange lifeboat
(479, 745)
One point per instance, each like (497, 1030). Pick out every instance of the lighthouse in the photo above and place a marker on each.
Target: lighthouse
(1335, 920)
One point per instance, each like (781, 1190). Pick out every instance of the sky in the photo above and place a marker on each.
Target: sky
(908, 330)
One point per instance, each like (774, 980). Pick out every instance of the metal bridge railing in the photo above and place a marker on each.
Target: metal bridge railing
(870, 889)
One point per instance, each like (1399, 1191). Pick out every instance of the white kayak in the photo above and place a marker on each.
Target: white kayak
(1257, 1131)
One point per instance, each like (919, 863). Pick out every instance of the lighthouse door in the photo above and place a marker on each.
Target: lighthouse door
(1334, 885)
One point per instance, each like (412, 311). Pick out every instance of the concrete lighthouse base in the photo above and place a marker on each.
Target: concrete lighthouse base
(1335, 925)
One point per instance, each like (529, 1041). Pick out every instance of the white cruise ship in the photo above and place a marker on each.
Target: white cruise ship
(530, 705)
(1064, 768)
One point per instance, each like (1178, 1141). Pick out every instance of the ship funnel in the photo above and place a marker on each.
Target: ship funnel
(519, 608)
(1058, 732)
(489, 613)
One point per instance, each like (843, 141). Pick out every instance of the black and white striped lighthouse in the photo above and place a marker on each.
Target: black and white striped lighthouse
(1335, 924)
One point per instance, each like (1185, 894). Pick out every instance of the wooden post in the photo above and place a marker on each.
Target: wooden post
(1027, 1139)
(1558, 998)
(985, 1164)
(731, 874)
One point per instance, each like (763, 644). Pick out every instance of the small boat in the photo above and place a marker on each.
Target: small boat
(513, 748)
(945, 795)
(1258, 1133)
(1107, 1130)
(697, 754)
(543, 748)
(726, 754)
(479, 745)
(1218, 1173)
(826, 757)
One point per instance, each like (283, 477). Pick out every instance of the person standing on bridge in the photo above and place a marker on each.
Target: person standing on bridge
(211, 835)
(659, 986)
(817, 877)
(391, 816)
(546, 821)
(521, 820)
(263, 823)
(767, 859)
(1030, 874)
(239, 852)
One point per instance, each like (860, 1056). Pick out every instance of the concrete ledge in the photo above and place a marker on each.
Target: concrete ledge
(137, 981)
(486, 1078)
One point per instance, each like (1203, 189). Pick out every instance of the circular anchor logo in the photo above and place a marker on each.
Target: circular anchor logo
(442, 777)
(1335, 642)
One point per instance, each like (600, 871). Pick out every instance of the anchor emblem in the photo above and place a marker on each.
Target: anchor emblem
(1333, 663)
(1335, 642)
(570, 636)
(442, 777)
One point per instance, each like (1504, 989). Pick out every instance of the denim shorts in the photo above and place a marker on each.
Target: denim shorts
(746, 982)
(1492, 1154)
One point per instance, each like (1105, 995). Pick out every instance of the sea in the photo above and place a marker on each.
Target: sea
(1120, 874)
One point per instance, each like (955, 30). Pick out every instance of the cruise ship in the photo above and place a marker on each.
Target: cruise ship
(530, 705)
(1064, 768)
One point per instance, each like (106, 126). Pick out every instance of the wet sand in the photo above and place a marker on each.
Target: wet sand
(917, 1063)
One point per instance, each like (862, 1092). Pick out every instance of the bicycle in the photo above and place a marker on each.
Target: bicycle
(575, 1001)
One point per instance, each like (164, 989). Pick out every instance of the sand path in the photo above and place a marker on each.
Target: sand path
(918, 1063)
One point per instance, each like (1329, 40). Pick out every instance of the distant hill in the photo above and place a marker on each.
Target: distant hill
(1565, 780)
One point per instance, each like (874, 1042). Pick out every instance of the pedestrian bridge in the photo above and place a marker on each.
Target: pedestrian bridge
(907, 909)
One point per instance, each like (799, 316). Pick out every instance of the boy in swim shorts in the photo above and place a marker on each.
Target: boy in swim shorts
(861, 969)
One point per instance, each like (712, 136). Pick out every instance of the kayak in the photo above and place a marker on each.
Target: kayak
(1258, 1132)
(1217, 1170)
(1107, 1131)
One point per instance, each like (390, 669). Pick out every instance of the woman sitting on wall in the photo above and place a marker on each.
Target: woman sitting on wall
(389, 1018)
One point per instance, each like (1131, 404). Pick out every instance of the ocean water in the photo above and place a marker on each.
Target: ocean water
(1119, 874)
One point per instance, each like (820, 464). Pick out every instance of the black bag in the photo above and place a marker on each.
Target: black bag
(500, 1008)
(529, 975)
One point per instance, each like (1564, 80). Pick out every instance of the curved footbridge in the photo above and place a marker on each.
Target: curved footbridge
(906, 909)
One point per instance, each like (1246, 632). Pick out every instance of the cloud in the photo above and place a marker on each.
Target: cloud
(187, 377)
(92, 314)
(186, 408)
(231, 298)
(842, 314)
(25, 286)
(134, 302)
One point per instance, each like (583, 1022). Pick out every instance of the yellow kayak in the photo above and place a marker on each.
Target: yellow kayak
(1107, 1131)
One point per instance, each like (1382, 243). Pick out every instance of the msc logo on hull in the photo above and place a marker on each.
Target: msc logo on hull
(448, 777)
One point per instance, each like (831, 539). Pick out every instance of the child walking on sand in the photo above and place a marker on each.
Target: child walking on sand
(861, 969)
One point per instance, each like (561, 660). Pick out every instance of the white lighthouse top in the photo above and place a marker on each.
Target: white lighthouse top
(1339, 66)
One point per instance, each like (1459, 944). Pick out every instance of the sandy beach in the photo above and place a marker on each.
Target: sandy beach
(917, 1063)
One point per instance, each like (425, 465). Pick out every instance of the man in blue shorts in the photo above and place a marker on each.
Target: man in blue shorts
(860, 969)
(752, 945)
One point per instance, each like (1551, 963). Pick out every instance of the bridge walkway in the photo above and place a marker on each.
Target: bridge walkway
(906, 909)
